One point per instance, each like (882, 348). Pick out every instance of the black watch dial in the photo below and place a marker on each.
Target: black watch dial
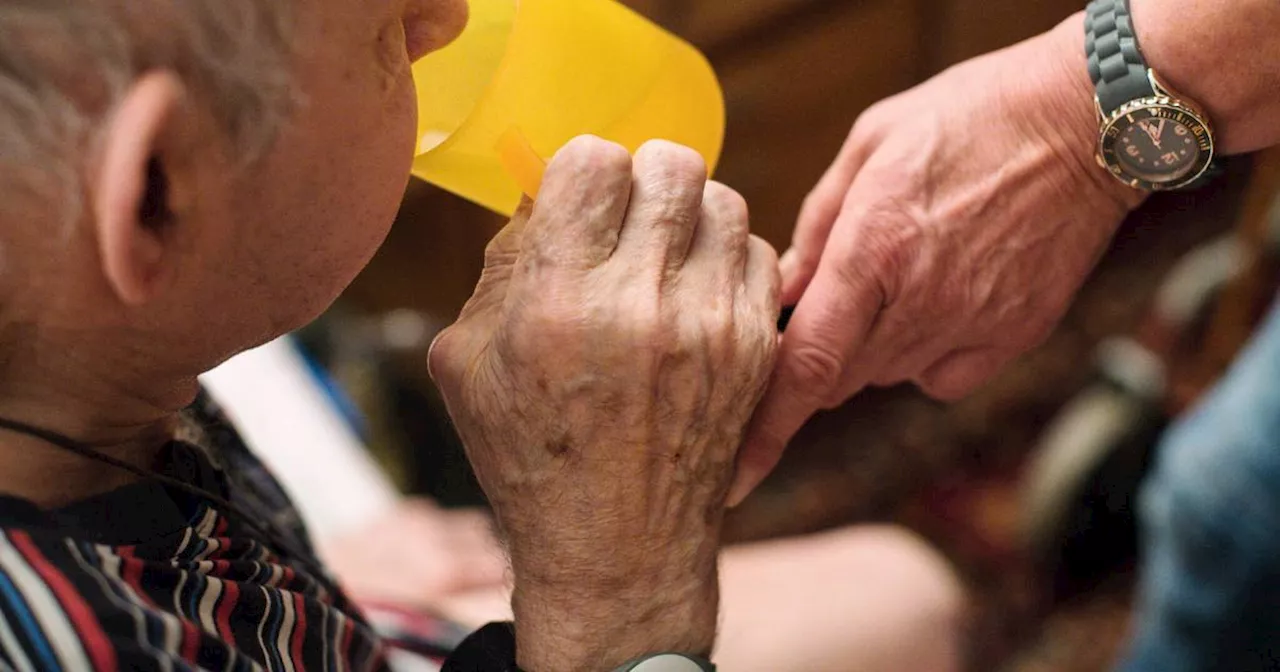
(1157, 149)
(1157, 146)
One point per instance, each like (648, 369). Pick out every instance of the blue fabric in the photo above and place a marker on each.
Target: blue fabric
(1209, 514)
(342, 402)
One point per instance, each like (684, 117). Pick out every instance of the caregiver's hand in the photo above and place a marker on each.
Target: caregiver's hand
(602, 378)
(948, 237)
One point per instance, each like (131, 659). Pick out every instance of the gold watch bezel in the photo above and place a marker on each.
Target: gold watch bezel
(1166, 105)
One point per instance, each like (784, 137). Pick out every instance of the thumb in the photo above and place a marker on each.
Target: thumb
(481, 311)
(818, 366)
(780, 415)
(499, 262)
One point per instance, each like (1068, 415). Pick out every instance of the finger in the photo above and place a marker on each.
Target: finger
(666, 204)
(481, 310)
(579, 212)
(962, 373)
(817, 217)
(818, 362)
(500, 257)
(718, 254)
(764, 283)
(903, 351)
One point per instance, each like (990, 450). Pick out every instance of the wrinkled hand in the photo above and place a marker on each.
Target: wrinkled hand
(601, 378)
(947, 239)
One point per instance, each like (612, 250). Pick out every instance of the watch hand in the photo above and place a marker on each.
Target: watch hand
(1152, 132)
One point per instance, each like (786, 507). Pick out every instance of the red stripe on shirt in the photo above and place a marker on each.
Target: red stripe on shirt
(94, 640)
(299, 631)
(132, 575)
(223, 615)
(190, 641)
(131, 572)
(345, 650)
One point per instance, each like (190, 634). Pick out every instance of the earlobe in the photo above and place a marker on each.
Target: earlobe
(131, 191)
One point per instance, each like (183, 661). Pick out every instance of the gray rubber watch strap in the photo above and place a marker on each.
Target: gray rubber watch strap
(1115, 61)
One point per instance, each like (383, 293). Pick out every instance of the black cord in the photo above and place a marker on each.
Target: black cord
(410, 644)
(269, 533)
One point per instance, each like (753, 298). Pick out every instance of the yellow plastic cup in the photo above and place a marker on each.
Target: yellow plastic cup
(527, 76)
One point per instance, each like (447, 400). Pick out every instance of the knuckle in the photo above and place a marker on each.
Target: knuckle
(730, 207)
(893, 248)
(946, 389)
(596, 156)
(886, 255)
(442, 357)
(676, 161)
(818, 372)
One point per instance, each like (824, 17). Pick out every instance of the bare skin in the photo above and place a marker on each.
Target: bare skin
(961, 217)
(602, 376)
(623, 353)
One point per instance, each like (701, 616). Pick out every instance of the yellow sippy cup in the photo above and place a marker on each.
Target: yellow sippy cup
(527, 76)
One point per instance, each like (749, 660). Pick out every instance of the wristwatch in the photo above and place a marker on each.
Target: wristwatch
(1151, 138)
(668, 662)
(493, 649)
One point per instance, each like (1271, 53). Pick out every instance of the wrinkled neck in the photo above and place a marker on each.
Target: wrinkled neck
(103, 402)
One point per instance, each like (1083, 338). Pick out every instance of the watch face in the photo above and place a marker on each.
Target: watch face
(1156, 146)
(1157, 149)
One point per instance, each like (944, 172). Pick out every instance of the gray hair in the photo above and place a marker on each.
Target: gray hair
(65, 65)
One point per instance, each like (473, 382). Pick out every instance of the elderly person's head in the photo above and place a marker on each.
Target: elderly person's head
(181, 179)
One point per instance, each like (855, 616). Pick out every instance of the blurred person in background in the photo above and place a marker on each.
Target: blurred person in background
(182, 181)
(959, 221)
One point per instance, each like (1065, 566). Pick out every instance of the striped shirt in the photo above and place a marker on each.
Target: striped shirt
(145, 578)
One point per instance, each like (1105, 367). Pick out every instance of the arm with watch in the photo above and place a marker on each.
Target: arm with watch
(961, 217)
(974, 204)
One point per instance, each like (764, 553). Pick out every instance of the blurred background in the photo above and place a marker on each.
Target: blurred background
(1027, 485)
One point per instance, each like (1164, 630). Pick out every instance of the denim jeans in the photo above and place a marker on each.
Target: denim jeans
(1209, 514)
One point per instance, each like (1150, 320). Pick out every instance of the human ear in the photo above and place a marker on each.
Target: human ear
(133, 213)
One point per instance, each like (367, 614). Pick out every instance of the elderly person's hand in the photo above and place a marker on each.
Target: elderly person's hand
(601, 378)
(948, 237)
